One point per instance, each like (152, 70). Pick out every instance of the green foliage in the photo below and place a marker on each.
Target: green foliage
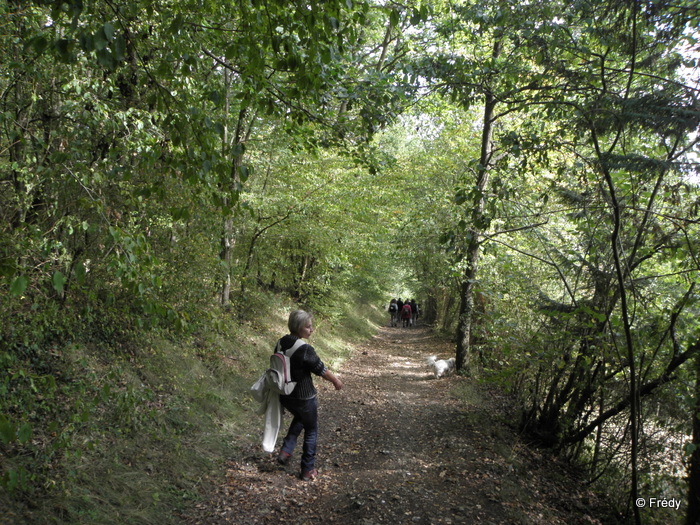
(88, 430)
(157, 160)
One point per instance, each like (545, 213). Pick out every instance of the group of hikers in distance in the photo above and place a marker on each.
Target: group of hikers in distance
(407, 312)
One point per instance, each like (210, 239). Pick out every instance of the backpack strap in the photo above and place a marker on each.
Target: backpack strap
(287, 373)
(289, 351)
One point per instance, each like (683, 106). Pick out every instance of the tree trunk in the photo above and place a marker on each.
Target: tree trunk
(227, 242)
(693, 514)
(228, 238)
(598, 436)
(635, 402)
(478, 225)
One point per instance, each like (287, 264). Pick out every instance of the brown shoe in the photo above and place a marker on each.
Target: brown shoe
(309, 475)
(284, 457)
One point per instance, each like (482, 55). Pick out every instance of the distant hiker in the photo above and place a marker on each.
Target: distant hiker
(399, 305)
(302, 403)
(414, 312)
(406, 314)
(393, 313)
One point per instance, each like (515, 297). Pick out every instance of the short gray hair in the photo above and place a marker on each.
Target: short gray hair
(298, 319)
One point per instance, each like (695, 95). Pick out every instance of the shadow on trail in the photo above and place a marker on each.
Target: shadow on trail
(398, 446)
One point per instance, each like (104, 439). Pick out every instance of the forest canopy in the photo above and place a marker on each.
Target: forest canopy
(527, 171)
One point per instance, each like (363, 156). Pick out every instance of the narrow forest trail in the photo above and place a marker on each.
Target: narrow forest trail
(398, 446)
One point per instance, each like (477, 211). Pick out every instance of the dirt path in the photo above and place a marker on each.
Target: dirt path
(398, 446)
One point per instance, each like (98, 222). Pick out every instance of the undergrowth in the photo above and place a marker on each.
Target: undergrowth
(103, 432)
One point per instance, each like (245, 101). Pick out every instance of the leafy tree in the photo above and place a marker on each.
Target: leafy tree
(484, 60)
(630, 180)
(159, 157)
(596, 97)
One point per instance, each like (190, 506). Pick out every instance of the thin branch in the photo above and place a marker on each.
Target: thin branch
(512, 230)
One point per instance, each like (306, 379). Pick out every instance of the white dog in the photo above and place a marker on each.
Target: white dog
(441, 367)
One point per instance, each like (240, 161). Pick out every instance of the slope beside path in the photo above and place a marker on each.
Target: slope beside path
(398, 446)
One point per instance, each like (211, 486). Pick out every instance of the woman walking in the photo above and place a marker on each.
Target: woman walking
(302, 403)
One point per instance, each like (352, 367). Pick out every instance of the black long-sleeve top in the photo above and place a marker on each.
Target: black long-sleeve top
(304, 362)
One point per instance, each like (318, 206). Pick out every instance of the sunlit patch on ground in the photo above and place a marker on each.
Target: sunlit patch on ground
(398, 446)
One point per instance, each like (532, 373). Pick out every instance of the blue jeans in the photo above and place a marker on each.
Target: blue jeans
(305, 412)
